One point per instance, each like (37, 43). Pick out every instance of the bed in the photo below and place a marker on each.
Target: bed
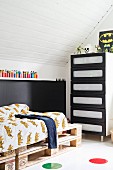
(21, 140)
(15, 132)
(41, 96)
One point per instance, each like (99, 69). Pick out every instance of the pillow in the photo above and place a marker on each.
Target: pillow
(4, 109)
(20, 108)
(8, 112)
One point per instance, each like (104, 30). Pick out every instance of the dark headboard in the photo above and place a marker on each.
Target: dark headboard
(39, 95)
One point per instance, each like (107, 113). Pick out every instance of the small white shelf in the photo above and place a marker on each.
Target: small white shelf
(10, 78)
(34, 79)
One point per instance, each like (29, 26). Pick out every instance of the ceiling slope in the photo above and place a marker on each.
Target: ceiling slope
(47, 31)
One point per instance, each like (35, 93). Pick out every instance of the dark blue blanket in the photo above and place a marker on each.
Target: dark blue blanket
(51, 128)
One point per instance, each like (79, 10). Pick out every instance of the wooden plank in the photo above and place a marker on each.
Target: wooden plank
(71, 126)
(10, 165)
(50, 152)
(66, 138)
(33, 149)
(21, 161)
(73, 143)
(7, 164)
(6, 158)
(21, 149)
(78, 141)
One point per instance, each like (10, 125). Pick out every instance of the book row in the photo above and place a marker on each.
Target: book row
(18, 74)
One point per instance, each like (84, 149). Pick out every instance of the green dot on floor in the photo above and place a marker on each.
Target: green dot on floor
(52, 166)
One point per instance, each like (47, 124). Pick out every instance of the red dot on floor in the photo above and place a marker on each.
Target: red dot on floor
(98, 161)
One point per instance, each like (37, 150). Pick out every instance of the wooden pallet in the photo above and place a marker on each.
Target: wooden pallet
(7, 160)
(32, 154)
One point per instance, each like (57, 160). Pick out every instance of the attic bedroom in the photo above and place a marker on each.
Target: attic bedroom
(56, 97)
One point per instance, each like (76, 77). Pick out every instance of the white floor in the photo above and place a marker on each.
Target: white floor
(78, 158)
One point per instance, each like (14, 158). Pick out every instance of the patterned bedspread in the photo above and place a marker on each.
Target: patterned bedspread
(15, 133)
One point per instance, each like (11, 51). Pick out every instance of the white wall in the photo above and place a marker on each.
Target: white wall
(104, 25)
(48, 72)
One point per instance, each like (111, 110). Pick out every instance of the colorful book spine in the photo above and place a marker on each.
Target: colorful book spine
(18, 74)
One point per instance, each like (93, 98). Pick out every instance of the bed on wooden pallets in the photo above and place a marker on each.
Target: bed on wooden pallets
(23, 139)
(17, 132)
(24, 142)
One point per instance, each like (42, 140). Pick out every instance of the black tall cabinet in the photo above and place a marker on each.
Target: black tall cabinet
(92, 92)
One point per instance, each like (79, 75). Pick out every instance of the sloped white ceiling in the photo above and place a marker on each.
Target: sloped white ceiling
(47, 31)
